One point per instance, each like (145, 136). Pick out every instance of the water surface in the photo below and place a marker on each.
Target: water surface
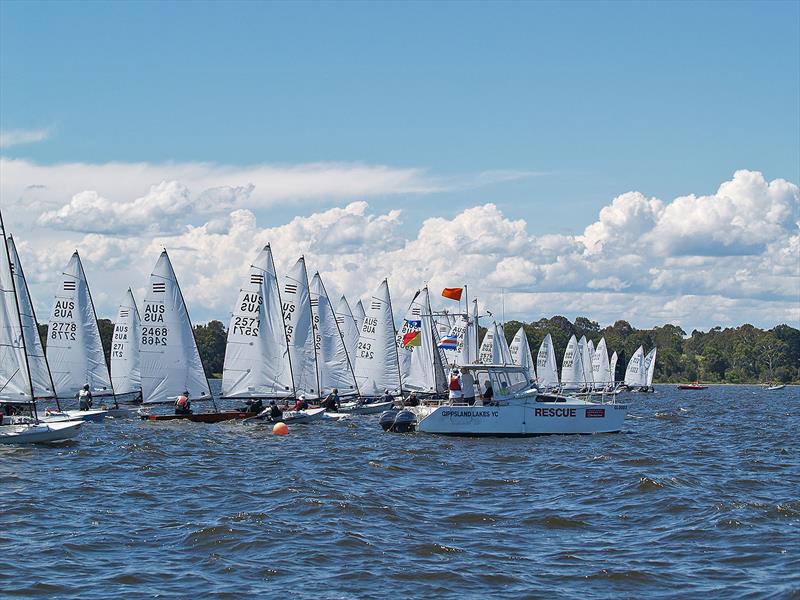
(699, 496)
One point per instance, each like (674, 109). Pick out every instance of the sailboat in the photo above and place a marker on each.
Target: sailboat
(350, 329)
(74, 350)
(546, 368)
(586, 363)
(571, 367)
(612, 368)
(421, 360)
(335, 368)
(601, 374)
(521, 353)
(126, 376)
(299, 321)
(636, 374)
(257, 364)
(22, 378)
(377, 367)
(650, 369)
(170, 362)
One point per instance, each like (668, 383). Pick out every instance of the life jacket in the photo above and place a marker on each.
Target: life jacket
(181, 402)
(455, 386)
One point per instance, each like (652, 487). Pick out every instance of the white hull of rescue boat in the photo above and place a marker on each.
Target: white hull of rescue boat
(518, 419)
(61, 416)
(373, 408)
(37, 433)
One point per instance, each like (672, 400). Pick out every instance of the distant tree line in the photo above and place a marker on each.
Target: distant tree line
(744, 354)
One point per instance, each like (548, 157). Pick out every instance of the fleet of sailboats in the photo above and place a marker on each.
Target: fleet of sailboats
(287, 340)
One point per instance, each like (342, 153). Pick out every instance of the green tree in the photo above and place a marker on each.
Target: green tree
(211, 339)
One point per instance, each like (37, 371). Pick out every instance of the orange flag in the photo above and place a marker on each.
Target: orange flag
(452, 293)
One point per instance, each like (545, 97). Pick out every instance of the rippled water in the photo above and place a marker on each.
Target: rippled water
(699, 495)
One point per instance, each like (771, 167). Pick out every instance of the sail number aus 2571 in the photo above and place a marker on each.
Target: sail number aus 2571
(245, 326)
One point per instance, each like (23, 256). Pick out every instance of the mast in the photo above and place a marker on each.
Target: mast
(191, 328)
(394, 330)
(19, 320)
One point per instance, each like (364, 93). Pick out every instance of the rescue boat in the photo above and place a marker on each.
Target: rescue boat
(517, 409)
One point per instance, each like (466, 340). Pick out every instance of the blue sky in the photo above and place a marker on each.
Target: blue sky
(665, 98)
(125, 125)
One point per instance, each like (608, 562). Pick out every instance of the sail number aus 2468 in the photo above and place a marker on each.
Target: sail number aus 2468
(154, 336)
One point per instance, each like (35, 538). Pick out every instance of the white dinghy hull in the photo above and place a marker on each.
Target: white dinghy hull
(62, 416)
(373, 408)
(38, 433)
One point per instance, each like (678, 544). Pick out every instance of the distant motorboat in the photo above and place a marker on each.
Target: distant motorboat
(692, 386)
(778, 386)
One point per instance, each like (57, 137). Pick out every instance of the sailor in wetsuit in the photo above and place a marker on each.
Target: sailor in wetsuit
(275, 412)
(183, 406)
(301, 403)
(254, 406)
(331, 402)
(85, 398)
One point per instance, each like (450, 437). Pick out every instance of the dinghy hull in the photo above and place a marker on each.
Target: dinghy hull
(39, 433)
(61, 416)
(212, 417)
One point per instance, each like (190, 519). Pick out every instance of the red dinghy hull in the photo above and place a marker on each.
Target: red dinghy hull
(692, 386)
(212, 417)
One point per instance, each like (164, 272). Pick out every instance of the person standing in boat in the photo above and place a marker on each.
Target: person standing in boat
(183, 406)
(468, 387)
(85, 398)
(455, 386)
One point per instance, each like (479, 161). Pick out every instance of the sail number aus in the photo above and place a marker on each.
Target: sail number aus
(63, 331)
(365, 350)
(154, 336)
(245, 326)
(251, 303)
(153, 313)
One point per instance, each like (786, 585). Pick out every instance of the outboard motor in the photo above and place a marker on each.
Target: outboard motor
(387, 418)
(398, 421)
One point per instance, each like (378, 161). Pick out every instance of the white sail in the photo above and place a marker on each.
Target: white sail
(468, 343)
(635, 374)
(612, 367)
(359, 314)
(571, 367)
(546, 368)
(41, 379)
(168, 357)
(299, 320)
(455, 336)
(256, 353)
(521, 352)
(349, 328)
(125, 373)
(420, 360)
(15, 383)
(487, 346)
(600, 366)
(333, 359)
(586, 362)
(377, 367)
(74, 351)
(501, 353)
(650, 367)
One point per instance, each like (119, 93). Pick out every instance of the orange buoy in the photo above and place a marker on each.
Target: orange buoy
(280, 428)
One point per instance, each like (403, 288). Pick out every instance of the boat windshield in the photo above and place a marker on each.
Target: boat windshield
(508, 383)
